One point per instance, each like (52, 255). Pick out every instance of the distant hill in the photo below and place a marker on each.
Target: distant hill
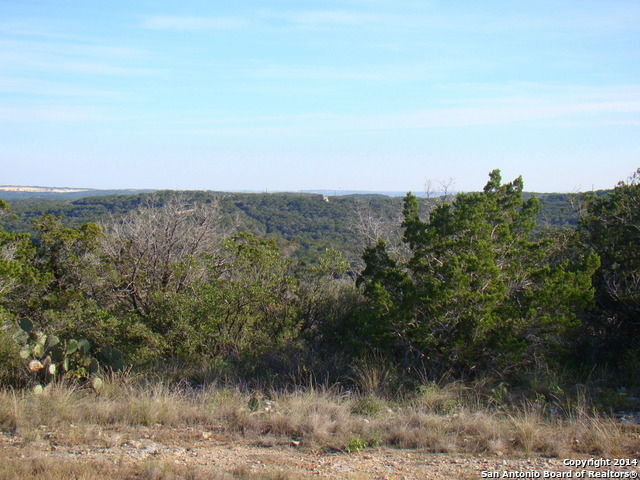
(12, 192)
(367, 193)
(309, 221)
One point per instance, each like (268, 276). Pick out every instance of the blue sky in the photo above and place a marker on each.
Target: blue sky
(294, 95)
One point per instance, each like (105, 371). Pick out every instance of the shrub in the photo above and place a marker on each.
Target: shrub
(12, 371)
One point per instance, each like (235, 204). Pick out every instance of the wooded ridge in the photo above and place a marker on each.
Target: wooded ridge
(516, 288)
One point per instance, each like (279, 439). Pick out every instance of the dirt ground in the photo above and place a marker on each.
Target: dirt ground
(195, 448)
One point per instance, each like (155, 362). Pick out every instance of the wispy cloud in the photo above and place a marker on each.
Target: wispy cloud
(86, 47)
(500, 19)
(45, 88)
(570, 19)
(505, 112)
(55, 114)
(34, 28)
(277, 19)
(523, 103)
(550, 106)
(318, 73)
(186, 23)
(327, 19)
(94, 68)
(587, 17)
(333, 18)
(60, 56)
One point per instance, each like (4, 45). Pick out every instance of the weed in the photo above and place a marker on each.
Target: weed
(356, 444)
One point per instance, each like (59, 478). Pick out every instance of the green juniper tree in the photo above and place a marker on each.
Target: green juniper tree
(479, 290)
(20, 281)
(611, 228)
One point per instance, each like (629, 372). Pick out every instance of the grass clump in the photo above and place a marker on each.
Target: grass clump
(438, 399)
(369, 406)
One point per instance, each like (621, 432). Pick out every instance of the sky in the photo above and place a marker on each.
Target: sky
(341, 95)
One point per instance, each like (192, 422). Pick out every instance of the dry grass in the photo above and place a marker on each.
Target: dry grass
(45, 468)
(374, 375)
(437, 419)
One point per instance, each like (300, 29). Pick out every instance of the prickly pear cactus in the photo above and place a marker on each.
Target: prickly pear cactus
(49, 358)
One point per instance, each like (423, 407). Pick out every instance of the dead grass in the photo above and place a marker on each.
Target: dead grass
(442, 399)
(436, 419)
(9, 410)
(45, 468)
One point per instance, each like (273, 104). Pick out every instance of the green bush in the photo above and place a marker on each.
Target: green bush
(12, 371)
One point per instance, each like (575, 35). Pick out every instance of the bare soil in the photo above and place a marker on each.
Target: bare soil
(192, 448)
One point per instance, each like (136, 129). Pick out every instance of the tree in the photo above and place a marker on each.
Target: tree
(68, 257)
(245, 305)
(20, 281)
(611, 228)
(252, 303)
(160, 249)
(320, 287)
(478, 291)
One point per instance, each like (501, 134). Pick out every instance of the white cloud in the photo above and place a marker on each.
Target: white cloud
(51, 88)
(523, 104)
(280, 19)
(320, 73)
(505, 112)
(187, 23)
(53, 114)
(90, 57)
(547, 105)
(570, 20)
(85, 47)
(93, 68)
(334, 17)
